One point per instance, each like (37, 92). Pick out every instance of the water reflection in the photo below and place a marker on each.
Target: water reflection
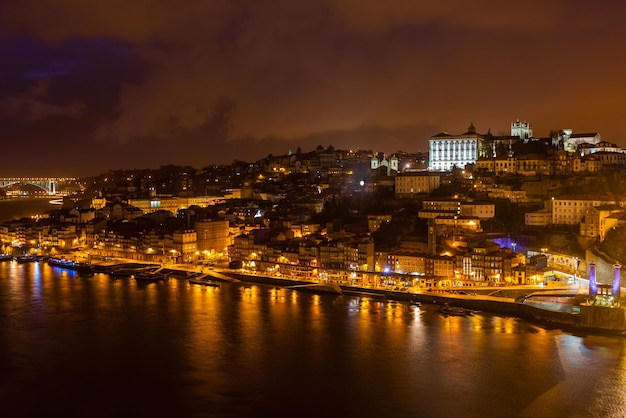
(248, 350)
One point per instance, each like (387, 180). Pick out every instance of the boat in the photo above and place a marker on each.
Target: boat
(81, 266)
(415, 303)
(26, 258)
(149, 275)
(447, 310)
(6, 257)
(203, 280)
(322, 288)
(130, 270)
(126, 272)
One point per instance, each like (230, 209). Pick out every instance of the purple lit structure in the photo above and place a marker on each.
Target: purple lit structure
(616, 280)
(593, 284)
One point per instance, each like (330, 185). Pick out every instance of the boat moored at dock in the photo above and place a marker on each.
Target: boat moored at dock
(148, 275)
(203, 280)
(324, 288)
(81, 266)
(26, 258)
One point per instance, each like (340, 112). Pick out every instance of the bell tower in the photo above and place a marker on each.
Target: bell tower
(521, 129)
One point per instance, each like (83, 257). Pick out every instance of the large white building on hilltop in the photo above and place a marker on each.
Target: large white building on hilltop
(448, 151)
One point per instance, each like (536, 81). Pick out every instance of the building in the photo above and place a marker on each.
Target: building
(375, 221)
(213, 235)
(481, 210)
(452, 225)
(184, 245)
(413, 183)
(448, 151)
(602, 146)
(599, 220)
(447, 206)
(522, 130)
(570, 141)
(538, 218)
(406, 262)
(439, 265)
(389, 164)
(570, 210)
(434, 208)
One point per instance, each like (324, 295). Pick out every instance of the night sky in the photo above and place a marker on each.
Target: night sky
(89, 86)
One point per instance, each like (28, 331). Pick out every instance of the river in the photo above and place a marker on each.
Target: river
(19, 208)
(100, 347)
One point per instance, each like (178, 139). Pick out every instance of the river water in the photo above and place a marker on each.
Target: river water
(20, 208)
(102, 347)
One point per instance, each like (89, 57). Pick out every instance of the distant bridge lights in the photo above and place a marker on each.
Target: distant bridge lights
(49, 185)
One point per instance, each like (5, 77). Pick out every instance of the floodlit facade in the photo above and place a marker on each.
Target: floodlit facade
(448, 151)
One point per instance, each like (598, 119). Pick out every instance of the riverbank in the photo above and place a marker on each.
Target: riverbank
(590, 318)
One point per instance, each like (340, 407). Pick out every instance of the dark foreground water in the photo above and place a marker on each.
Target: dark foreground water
(95, 346)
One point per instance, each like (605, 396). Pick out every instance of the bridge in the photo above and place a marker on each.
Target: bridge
(49, 184)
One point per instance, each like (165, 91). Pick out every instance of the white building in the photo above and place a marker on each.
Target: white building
(391, 164)
(571, 141)
(602, 146)
(521, 129)
(448, 151)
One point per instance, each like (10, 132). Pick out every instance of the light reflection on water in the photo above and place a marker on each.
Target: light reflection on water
(247, 350)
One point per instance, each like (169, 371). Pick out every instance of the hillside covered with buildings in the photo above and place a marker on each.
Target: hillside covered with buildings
(475, 209)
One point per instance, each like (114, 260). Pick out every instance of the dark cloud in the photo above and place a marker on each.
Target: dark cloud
(32, 105)
(143, 82)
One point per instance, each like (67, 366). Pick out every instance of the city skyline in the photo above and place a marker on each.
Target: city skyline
(90, 88)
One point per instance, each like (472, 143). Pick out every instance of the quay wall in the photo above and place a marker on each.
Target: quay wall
(590, 318)
(612, 319)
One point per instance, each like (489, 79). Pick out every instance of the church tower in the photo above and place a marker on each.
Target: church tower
(521, 129)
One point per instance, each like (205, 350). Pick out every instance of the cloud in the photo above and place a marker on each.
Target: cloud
(333, 71)
(31, 105)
